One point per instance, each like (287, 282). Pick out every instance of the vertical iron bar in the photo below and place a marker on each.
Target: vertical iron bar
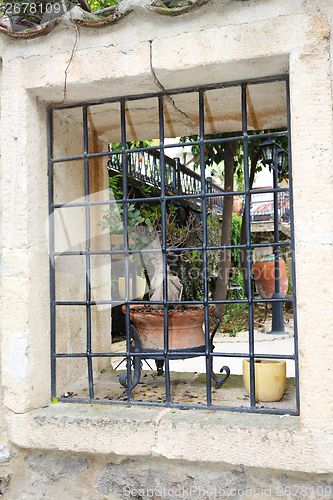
(292, 240)
(209, 355)
(174, 176)
(210, 190)
(126, 254)
(134, 294)
(179, 185)
(164, 256)
(248, 242)
(88, 281)
(51, 246)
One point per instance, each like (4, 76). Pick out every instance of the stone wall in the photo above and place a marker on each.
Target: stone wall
(81, 451)
(48, 476)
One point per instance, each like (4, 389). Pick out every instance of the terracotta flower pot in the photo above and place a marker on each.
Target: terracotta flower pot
(185, 327)
(270, 378)
(264, 276)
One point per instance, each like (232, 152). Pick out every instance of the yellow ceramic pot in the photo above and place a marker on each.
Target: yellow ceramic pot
(140, 288)
(270, 378)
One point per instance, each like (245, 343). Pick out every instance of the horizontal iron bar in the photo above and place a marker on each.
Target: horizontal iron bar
(181, 407)
(182, 353)
(106, 252)
(68, 158)
(285, 299)
(169, 198)
(256, 356)
(249, 137)
(173, 355)
(279, 244)
(169, 303)
(220, 140)
(170, 250)
(89, 355)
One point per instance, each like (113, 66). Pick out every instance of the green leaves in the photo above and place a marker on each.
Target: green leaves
(211, 223)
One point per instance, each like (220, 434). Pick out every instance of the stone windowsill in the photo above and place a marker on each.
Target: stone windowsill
(194, 435)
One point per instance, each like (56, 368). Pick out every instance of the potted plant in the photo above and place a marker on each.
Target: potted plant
(185, 322)
(145, 228)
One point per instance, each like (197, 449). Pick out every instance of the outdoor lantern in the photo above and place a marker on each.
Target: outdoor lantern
(274, 155)
(281, 159)
(269, 149)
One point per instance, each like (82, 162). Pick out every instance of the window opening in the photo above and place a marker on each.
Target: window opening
(147, 196)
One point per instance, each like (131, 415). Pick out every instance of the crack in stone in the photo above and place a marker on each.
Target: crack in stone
(159, 420)
(160, 86)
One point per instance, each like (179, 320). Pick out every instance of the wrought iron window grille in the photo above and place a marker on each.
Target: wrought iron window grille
(176, 183)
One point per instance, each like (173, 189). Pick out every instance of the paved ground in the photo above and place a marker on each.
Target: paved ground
(265, 343)
(188, 377)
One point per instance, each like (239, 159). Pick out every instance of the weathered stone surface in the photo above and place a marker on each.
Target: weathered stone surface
(5, 454)
(170, 480)
(158, 478)
(57, 467)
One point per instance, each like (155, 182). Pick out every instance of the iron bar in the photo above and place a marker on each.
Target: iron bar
(183, 302)
(238, 409)
(125, 208)
(164, 256)
(221, 194)
(204, 244)
(170, 250)
(292, 245)
(51, 243)
(88, 276)
(173, 145)
(248, 240)
(180, 354)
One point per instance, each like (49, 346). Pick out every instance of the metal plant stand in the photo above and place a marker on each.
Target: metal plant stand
(158, 356)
